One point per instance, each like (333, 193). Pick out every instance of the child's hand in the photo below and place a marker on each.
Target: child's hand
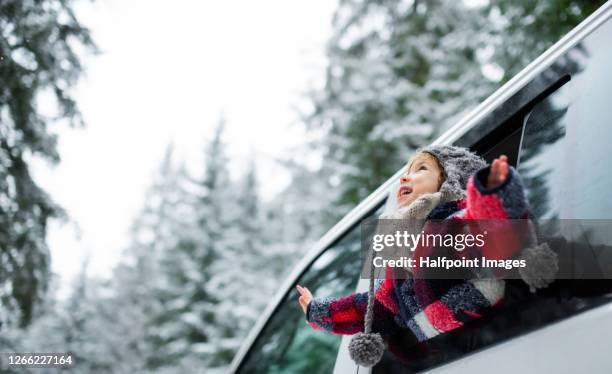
(499, 171)
(305, 297)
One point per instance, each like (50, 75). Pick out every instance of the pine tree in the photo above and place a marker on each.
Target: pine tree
(188, 326)
(297, 217)
(397, 77)
(70, 325)
(522, 30)
(238, 278)
(38, 57)
(80, 331)
(134, 304)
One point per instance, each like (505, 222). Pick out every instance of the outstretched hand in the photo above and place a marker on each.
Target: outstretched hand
(499, 171)
(305, 297)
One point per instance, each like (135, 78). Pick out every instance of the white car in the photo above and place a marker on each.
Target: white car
(554, 121)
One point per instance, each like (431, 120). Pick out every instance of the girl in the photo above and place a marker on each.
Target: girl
(441, 183)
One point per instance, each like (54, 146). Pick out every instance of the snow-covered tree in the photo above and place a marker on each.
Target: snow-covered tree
(188, 327)
(67, 325)
(399, 73)
(133, 303)
(296, 217)
(521, 30)
(38, 44)
(240, 270)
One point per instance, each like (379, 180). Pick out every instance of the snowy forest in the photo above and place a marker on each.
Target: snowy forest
(399, 73)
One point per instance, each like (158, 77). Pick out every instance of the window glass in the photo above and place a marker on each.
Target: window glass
(564, 162)
(287, 344)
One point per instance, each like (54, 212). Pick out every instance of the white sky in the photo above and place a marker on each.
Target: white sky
(166, 72)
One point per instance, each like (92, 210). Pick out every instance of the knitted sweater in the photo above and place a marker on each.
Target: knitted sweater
(429, 307)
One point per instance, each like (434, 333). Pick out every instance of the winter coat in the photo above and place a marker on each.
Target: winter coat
(429, 307)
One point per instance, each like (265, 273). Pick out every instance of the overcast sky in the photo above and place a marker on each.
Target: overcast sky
(166, 73)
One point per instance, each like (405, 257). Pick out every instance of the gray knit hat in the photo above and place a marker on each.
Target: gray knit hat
(459, 164)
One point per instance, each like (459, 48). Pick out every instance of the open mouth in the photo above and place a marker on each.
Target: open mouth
(404, 191)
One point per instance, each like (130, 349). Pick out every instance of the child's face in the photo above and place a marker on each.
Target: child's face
(422, 176)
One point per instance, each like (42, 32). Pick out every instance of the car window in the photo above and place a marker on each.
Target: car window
(563, 159)
(287, 344)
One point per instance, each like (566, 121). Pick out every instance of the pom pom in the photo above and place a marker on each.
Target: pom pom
(541, 266)
(366, 349)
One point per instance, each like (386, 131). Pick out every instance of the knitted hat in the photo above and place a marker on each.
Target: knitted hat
(458, 165)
